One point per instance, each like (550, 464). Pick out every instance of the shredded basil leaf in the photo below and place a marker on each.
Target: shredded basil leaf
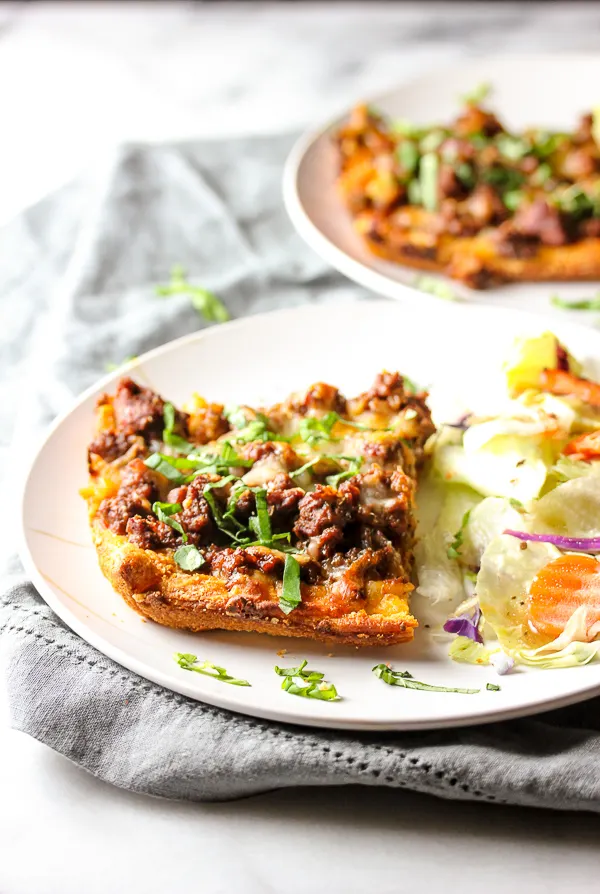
(355, 464)
(165, 465)
(513, 148)
(406, 681)
(477, 95)
(291, 594)
(513, 198)
(435, 286)
(300, 671)
(260, 524)
(191, 663)
(407, 154)
(413, 191)
(204, 302)
(428, 179)
(580, 304)
(324, 691)
(169, 436)
(453, 551)
(110, 366)
(164, 511)
(189, 558)
(541, 175)
(493, 687)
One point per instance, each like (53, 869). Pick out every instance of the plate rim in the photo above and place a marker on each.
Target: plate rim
(224, 698)
(355, 270)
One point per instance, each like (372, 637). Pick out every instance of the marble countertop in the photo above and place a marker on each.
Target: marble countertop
(77, 79)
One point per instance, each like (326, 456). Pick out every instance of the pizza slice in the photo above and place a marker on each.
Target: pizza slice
(292, 520)
(471, 199)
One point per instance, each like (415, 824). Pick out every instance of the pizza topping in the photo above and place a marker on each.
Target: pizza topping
(323, 515)
(291, 594)
(110, 445)
(189, 557)
(137, 492)
(138, 410)
(149, 532)
(251, 504)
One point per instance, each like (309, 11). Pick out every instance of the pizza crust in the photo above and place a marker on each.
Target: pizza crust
(151, 584)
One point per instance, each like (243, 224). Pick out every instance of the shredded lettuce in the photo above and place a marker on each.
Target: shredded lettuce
(506, 466)
(572, 509)
(465, 650)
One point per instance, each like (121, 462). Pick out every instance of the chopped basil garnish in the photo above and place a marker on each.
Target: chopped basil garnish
(169, 436)
(513, 148)
(228, 524)
(413, 191)
(291, 594)
(236, 417)
(110, 366)
(466, 174)
(407, 154)
(435, 286)
(506, 179)
(408, 128)
(513, 198)
(541, 175)
(251, 429)
(477, 95)
(493, 687)
(324, 691)
(312, 430)
(204, 302)
(300, 671)
(405, 680)
(453, 551)
(168, 466)
(580, 304)
(164, 511)
(316, 686)
(433, 140)
(355, 464)
(260, 524)
(428, 179)
(189, 558)
(208, 669)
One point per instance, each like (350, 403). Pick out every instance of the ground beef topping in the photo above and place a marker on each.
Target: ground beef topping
(110, 445)
(138, 491)
(323, 515)
(138, 410)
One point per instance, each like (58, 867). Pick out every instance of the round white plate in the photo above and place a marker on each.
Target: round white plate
(264, 358)
(547, 90)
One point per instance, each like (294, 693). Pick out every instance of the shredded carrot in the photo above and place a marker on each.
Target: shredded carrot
(586, 446)
(559, 381)
(559, 588)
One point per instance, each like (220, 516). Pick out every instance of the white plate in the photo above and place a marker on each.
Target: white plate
(551, 91)
(264, 358)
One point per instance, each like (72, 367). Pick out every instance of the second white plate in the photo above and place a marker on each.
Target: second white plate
(545, 90)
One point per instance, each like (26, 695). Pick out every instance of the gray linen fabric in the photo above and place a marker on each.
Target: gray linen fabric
(76, 278)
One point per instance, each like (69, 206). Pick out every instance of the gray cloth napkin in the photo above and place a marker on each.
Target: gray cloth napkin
(77, 273)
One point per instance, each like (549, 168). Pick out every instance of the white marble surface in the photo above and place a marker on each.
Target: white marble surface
(76, 79)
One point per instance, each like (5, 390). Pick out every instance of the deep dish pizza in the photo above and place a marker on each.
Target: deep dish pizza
(292, 520)
(473, 200)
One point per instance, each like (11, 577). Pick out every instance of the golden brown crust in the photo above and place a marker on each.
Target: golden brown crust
(152, 585)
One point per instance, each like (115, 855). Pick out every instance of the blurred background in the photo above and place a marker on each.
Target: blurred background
(79, 77)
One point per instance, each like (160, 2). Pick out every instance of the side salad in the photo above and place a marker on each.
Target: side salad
(511, 559)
